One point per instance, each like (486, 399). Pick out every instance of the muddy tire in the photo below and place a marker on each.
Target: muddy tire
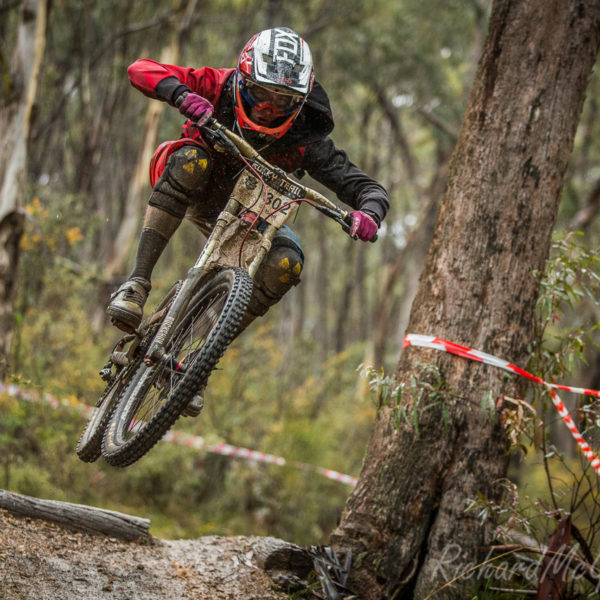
(157, 395)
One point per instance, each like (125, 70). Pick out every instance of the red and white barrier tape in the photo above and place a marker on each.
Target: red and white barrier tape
(426, 341)
(177, 437)
(196, 441)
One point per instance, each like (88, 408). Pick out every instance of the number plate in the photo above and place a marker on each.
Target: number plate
(250, 193)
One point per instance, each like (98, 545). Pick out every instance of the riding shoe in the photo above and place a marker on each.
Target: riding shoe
(194, 408)
(127, 303)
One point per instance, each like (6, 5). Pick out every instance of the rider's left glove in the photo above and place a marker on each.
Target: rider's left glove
(195, 107)
(364, 227)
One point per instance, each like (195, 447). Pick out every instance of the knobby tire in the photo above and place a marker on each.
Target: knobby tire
(156, 396)
(89, 446)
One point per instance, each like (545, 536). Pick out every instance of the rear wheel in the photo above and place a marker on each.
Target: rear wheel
(89, 446)
(157, 395)
(90, 443)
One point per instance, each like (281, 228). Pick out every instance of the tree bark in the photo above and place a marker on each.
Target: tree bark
(76, 516)
(477, 289)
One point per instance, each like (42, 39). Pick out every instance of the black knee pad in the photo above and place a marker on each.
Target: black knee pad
(186, 173)
(188, 168)
(278, 273)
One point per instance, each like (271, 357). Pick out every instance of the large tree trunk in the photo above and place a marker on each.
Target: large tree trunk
(478, 289)
(19, 89)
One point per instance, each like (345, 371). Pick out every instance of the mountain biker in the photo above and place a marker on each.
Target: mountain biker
(272, 100)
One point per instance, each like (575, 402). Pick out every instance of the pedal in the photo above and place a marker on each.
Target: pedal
(106, 374)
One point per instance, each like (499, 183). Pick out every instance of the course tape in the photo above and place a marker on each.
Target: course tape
(177, 437)
(426, 341)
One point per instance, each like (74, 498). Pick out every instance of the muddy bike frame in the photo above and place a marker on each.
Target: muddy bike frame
(263, 200)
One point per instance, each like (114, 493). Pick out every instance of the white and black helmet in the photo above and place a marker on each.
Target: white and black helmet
(279, 61)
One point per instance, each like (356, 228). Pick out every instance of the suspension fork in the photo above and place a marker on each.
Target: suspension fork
(268, 236)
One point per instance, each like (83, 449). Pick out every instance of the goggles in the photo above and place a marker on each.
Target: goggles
(261, 97)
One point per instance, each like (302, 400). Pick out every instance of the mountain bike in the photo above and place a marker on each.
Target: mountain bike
(153, 373)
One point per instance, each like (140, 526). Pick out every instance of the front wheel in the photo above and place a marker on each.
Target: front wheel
(157, 394)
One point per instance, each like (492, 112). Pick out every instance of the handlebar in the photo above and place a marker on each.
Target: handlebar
(219, 135)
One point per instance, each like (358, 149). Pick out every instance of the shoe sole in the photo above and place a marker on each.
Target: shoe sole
(123, 319)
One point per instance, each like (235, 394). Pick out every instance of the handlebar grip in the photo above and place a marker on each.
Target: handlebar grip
(343, 218)
(348, 222)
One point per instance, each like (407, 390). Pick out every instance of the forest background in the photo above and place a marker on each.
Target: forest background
(398, 74)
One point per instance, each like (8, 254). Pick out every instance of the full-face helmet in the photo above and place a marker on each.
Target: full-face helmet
(273, 78)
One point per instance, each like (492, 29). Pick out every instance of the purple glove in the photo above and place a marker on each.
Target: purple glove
(363, 227)
(196, 108)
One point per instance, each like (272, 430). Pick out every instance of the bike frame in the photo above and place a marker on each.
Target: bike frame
(242, 235)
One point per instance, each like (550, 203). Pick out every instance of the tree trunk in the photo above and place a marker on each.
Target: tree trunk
(407, 265)
(20, 83)
(76, 516)
(406, 516)
(322, 322)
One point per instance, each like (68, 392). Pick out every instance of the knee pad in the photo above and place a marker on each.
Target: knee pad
(278, 273)
(186, 173)
(188, 168)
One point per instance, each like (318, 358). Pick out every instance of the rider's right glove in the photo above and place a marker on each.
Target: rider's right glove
(363, 227)
(195, 107)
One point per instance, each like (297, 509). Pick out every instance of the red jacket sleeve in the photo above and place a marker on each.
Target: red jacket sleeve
(159, 81)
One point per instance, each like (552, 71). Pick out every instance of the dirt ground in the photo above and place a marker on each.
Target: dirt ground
(43, 561)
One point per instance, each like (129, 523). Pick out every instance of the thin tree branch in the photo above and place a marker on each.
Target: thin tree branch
(392, 115)
(161, 19)
(444, 127)
(326, 20)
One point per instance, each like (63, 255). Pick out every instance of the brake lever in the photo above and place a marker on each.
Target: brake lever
(345, 220)
(217, 138)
